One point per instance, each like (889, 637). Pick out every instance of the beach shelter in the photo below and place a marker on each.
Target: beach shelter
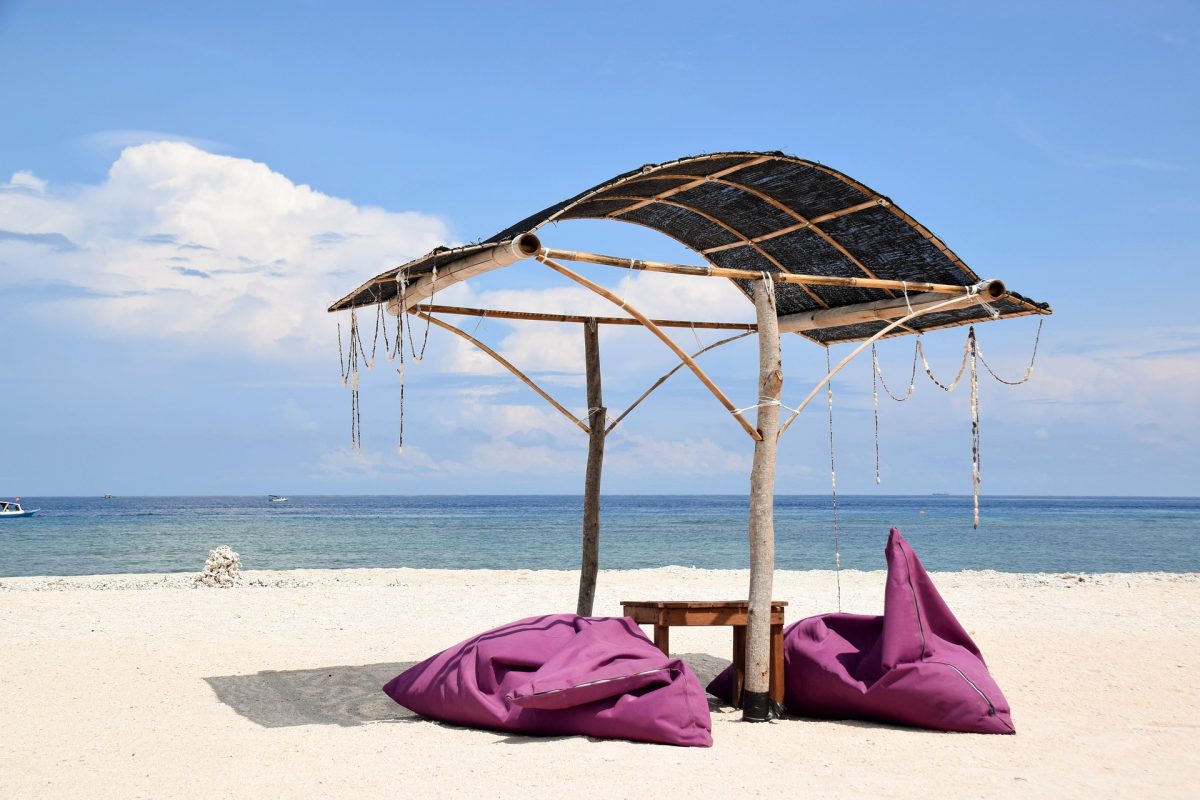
(819, 254)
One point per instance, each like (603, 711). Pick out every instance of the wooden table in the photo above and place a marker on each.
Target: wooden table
(735, 613)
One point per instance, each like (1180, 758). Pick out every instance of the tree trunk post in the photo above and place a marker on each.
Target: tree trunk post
(756, 705)
(595, 464)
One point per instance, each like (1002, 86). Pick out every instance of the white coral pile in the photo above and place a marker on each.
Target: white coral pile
(221, 569)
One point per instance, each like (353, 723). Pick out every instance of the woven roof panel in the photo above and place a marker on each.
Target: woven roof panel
(684, 224)
(700, 165)
(893, 249)
(759, 206)
(595, 209)
(806, 247)
(802, 187)
(746, 213)
(651, 186)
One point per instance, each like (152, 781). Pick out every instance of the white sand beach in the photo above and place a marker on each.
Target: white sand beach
(141, 686)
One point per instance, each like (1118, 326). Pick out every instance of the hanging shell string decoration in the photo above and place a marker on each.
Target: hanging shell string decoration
(971, 358)
(1037, 338)
(837, 535)
(356, 349)
(974, 423)
(402, 322)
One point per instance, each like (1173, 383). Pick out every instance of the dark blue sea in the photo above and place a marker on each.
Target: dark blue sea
(76, 535)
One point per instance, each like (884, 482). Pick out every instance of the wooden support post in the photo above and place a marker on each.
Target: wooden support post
(756, 704)
(595, 464)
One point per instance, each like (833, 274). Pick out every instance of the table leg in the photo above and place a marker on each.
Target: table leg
(777, 663)
(739, 663)
(662, 638)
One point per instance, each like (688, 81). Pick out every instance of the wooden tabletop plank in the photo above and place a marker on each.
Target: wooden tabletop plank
(695, 603)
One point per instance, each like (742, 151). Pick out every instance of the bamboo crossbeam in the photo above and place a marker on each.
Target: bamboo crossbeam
(667, 376)
(504, 363)
(947, 304)
(750, 275)
(879, 310)
(539, 317)
(502, 255)
(657, 331)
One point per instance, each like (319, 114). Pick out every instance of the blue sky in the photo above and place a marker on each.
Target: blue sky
(171, 175)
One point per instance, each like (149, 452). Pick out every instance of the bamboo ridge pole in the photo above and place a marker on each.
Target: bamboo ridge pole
(667, 340)
(749, 275)
(595, 463)
(460, 269)
(953, 302)
(507, 365)
(883, 309)
(756, 698)
(534, 316)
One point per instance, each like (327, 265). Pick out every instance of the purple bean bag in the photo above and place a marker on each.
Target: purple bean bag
(561, 674)
(915, 665)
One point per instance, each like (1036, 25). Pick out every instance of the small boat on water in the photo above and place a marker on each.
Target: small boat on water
(274, 498)
(12, 510)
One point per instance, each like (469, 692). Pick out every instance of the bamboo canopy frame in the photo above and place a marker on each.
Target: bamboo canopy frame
(819, 254)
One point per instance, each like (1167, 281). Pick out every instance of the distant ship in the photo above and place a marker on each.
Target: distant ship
(13, 510)
(274, 498)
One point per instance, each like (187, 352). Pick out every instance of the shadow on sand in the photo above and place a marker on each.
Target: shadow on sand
(350, 695)
(345, 696)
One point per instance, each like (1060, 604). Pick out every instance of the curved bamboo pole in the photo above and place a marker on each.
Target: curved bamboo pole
(799, 226)
(506, 364)
(968, 300)
(665, 377)
(533, 316)
(657, 331)
(750, 275)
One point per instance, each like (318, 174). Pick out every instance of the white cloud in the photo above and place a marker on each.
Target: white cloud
(297, 417)
(23, 180)
(640, 454)
(349, 464)
(178, 242)
(115, 140)
(1146, 389)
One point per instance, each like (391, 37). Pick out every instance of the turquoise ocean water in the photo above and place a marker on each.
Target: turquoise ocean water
(75, 536)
